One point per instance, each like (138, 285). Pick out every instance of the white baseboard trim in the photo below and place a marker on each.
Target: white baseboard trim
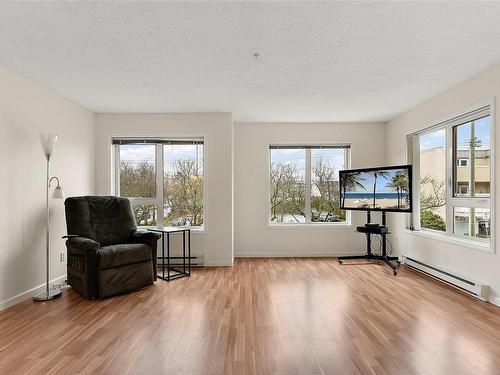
(28, 294)
(291, 254)
(494, 301)
(218, 263)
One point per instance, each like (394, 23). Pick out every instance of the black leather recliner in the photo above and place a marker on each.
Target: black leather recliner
(107, 255)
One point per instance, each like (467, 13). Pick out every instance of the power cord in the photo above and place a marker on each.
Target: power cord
(372, 245)
(379, 238)
(379, 252)
(390, 243)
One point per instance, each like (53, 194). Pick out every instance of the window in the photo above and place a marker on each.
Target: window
(452, 170)
(304, 184)
(163, 178)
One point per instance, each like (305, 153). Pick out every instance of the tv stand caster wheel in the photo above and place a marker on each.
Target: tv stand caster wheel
(395, 273)
(340, 262)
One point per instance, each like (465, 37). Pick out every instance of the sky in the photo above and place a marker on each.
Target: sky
(146, 152)
(333, 156)
(366, 179)
(437, 138)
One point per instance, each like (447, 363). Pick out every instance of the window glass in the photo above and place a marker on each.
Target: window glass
(325, 166)
(473, 154)
(471, 222)
(288, 185)
(137, 170)
(183, 184)
(145, 215)
(432, 180)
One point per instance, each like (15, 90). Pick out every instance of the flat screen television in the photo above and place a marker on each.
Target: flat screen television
(376, 189)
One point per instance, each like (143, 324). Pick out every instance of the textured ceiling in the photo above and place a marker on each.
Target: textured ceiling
(357, 61)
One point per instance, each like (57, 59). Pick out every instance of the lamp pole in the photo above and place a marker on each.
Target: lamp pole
(47, 227)
(48, 143)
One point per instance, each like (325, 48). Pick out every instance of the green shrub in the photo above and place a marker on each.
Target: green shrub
(430, 220)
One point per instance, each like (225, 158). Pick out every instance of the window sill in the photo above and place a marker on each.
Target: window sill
(470, 244)
(309, 226)
(199, 231)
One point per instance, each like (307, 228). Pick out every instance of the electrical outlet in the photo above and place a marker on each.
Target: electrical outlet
(62, 257)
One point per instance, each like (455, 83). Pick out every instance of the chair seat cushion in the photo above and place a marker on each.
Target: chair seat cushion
(112, 256)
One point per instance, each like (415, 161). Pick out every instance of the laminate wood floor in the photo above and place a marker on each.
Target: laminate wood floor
(262, 316)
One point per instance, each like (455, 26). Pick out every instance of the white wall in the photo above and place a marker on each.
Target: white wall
(216, 244)
(253, 236)
(28, 109)
(476, 264)
(83, 151)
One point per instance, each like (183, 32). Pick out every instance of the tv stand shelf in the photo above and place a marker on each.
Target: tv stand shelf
(381, 229)
(369, 230)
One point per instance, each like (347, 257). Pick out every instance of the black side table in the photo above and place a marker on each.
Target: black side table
(172, 272)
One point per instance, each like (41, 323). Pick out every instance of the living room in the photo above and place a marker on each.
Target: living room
(208, 141)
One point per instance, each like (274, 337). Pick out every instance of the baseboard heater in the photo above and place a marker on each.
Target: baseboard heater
(472, 287)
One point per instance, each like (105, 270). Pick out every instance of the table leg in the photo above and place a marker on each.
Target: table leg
(168, 256)
(163, 254)
(184, 251)
(189, 252)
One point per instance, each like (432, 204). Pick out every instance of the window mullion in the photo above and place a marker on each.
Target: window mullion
(449, 178)
(471, 202)
(414, 152)
(142, 201)
(308, 186)
(116, 190)
(347, 165)
(159, 184)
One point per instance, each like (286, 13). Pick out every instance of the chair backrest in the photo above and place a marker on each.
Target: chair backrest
(108, 220)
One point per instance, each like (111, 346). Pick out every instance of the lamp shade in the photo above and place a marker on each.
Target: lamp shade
(58, 193)
(48, 142)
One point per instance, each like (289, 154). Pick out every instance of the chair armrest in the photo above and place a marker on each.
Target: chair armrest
(148, 238)
(82, 243)
(82, 265)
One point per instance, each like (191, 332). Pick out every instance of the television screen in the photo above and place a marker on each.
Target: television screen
(376, 189)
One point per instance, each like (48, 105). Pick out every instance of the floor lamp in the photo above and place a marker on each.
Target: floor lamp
(48, 142)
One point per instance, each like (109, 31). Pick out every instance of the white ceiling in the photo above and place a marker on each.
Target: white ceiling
(355, 61)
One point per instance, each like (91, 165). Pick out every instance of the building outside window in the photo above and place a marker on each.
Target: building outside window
(163, 178)
(304, 184)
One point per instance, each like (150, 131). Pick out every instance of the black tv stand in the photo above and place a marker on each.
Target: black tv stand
(381, 230)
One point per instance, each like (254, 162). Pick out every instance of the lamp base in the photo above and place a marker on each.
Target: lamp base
(53, 293)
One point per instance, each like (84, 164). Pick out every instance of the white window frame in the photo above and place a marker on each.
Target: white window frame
(158, 200)
(413, 157)
(308, 224)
